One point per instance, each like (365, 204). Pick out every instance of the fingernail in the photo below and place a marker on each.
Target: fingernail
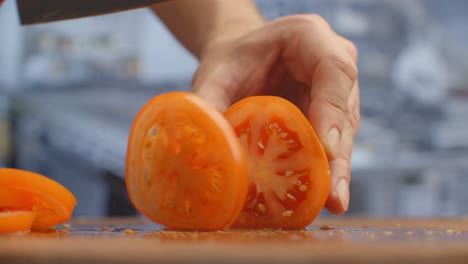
(333, 141)
(342, 189)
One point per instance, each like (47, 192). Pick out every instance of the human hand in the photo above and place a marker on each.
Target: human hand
(303, 60)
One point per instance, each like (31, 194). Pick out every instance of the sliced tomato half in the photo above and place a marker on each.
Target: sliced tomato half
(53, 203)
(288, 169)
(15, 221)
(185, 167)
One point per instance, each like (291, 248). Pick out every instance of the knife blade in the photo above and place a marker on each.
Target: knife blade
(43, 11)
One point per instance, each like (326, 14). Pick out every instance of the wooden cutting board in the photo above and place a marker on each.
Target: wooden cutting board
(340, 240)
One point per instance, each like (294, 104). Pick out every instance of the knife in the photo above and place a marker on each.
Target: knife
(43, 11)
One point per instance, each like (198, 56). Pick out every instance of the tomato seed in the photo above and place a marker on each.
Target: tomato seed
(287, 213)
(283, 135)
(261, 207)
(245, 130)
(303, 188)
(129, 231)
(290, 196)
(147, 174)
(260, 145)
(326, 227)
(289, 173)
(154, 131)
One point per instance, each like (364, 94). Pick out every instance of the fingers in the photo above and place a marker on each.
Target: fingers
(332, 83)
(338, 199)
(317, 56)
(334, 100)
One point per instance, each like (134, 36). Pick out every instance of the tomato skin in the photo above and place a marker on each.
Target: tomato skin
(17, 221)
(53, 205)
(289, 177)
(185, 168)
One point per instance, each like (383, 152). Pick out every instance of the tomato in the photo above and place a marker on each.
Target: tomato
(288, 169)
(18, 221)
(185, 168)
(53, 205)
(14, 199)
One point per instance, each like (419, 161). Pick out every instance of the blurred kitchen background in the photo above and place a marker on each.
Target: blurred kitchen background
(69, 92)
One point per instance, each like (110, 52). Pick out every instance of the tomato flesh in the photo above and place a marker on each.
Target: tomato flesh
(14, 199)
(17, 221)
(288, 168)
(185, 167)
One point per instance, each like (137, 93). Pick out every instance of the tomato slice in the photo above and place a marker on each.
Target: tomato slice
(16, 221)
(288, 169)
(185, 167)
(54, 203)
(14, 199)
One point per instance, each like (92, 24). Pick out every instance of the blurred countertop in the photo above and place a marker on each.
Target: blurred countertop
(342, 240)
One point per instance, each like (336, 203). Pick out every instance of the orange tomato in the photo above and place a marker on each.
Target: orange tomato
(53, 203)
(14, 199)
(18, 221)
(288, 169)
(185, 168)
